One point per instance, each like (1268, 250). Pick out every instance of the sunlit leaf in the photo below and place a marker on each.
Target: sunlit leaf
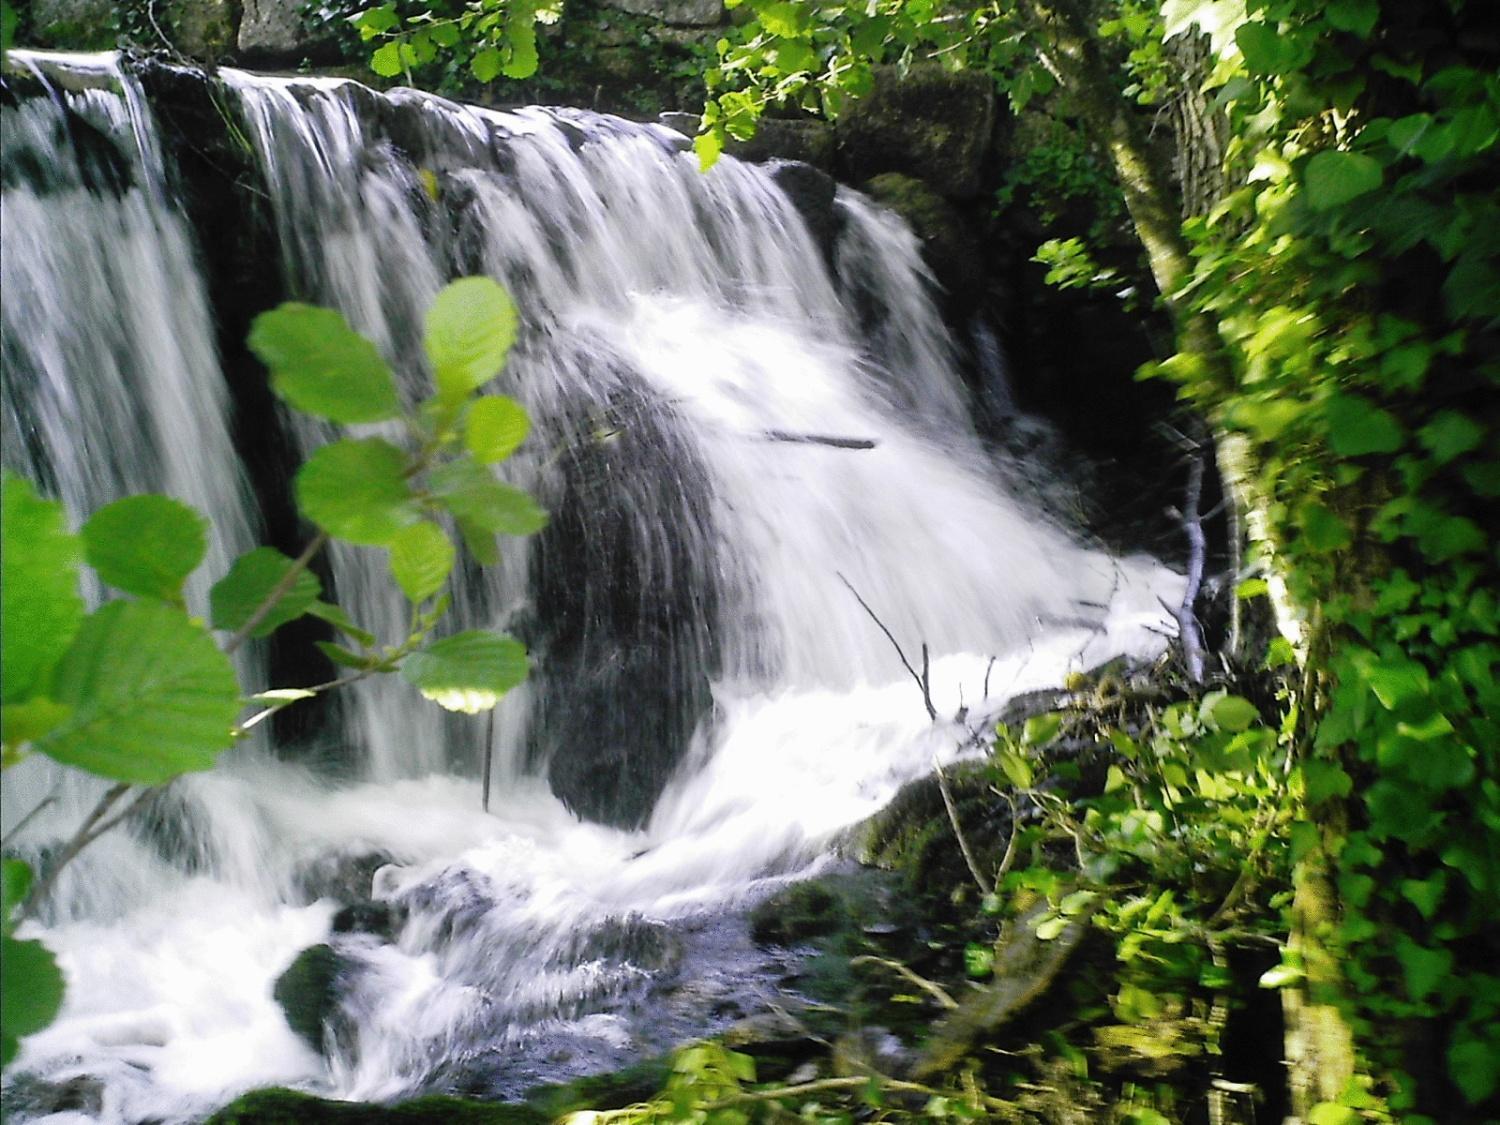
(468, 671)
(481, 502)
(421, 559)
(495, 428)
(40, 608)
(322, 366)
(1333, 178)
(146, 545)
(470, 329)
(357, 490)
(151, 696)
(250, 582)
(31, 992)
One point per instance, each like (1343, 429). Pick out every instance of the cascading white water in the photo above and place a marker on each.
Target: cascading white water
(687, 355)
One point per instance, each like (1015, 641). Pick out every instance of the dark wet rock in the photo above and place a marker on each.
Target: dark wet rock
(629, 612)
(812, 192)
(601, 1091)
(950, 242)
(28, 1097)
(280, 1106)
(380, 919)
(929, 122)
(309, 993)
(799, 912)
(343, 878)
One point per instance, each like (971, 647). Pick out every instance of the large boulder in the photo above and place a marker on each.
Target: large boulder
(930, 122)
(276, 32)
(689, 13)
(202, 29)
(950, 242)
(79, 25)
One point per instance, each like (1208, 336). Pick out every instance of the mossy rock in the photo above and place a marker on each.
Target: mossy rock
(280, 1106)
(615, 1090)
(308, 991)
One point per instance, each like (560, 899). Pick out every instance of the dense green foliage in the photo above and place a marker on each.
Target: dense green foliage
(139, 692)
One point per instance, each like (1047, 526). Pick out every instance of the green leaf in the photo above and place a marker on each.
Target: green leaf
(709, 146)
(485, 65)
(1041, 729)
(26, 722)
(1016, 768)
(1425, 894)
(421, 559)
(1228, 712)
(470, 329)
(1052, 927)
(386, 61)
(1280, 976)
(468, 671)
(479, 501)
(31, 992)
(40, 608)
(481, 543)
(1475, 1068)
(1357, 426)
(342, 656)
(146, 545)
(1449, 435)
(1331, 1113)
(1324, 780)
(979, 959)
(1333, 178)
(1268, 50)
(1358, 16)
(1424, 969)
(322, 366)
(341, 621)
(152, 696)
(357, 490)
(495, 428)
(1322, 529)
(250, 582)
(15, 878)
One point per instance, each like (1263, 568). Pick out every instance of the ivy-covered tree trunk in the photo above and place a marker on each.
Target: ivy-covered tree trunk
(1319, 1042)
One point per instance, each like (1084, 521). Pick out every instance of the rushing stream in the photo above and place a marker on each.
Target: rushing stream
(711, 703)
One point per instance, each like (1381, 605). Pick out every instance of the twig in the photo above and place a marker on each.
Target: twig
(27, 819)
(80, 840)
(988, 668)
(932, 988)
(905, 663)
(927, 682)
(984, 884)
(1010, 847)
(489, 758)
(279, 591)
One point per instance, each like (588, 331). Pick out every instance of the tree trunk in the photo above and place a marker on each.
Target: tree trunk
(1319, 1043)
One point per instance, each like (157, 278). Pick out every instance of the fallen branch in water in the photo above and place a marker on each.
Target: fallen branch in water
(821, 439)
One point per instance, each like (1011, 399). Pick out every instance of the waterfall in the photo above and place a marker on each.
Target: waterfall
(739, 434)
